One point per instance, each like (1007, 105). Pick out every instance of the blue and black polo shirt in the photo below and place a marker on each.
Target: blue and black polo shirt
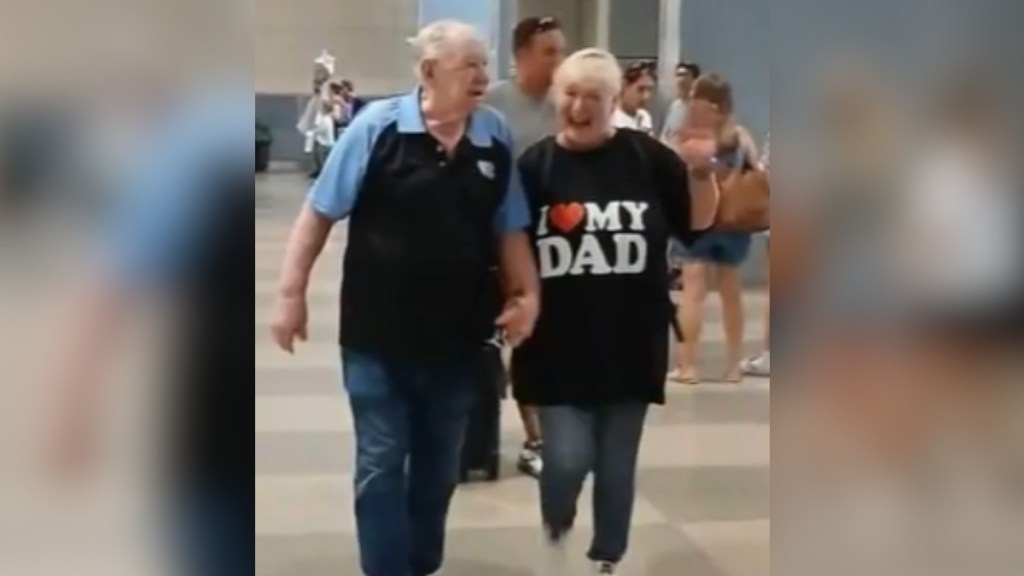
(424, 228)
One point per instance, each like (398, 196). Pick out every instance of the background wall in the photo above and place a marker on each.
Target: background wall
(633, 28)
(732, 38)
(366, 36)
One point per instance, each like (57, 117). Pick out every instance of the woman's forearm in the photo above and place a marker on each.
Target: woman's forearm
(305, 244)
(704, 201)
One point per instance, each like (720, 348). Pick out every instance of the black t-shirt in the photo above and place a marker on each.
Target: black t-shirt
(602, 223)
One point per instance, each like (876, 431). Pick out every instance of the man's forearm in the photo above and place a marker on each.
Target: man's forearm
(305, 244)
(518, 267)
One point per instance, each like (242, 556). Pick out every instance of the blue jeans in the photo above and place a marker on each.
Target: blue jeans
(409, 423)
(718, 248)
(603, 440)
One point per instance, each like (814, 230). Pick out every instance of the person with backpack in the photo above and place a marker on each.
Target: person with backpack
(604, 202)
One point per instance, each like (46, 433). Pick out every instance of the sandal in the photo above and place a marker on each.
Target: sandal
(686, 379)
(734, 376)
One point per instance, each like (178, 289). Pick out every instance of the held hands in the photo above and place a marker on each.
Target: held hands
(291, 318)
(518, 319)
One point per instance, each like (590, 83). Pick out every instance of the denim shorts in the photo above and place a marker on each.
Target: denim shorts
(718, 248)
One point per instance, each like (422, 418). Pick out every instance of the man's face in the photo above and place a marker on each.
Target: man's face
(684, 82)
(638, 94)
(460, 79)
(543, 55)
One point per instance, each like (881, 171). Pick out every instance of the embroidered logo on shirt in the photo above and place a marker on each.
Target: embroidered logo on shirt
(486, 168)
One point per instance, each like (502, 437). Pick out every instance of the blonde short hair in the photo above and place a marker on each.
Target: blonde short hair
(591, 65)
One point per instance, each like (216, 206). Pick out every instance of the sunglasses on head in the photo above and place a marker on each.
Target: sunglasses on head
(635, 70)
(542, 25)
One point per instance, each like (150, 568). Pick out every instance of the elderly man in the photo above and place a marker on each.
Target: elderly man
(429, 184)
(539, 47)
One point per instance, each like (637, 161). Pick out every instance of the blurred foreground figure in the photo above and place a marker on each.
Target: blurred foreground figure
(429, 182)
(182, 238)
(899, 450)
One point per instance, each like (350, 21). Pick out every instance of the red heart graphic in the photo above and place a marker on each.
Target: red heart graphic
(566, 217)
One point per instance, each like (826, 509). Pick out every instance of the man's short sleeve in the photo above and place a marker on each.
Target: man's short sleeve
(514, 214)
(674, 120)
(335, 192)
(156, 229)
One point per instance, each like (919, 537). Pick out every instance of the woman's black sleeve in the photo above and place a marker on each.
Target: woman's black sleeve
(673, 182)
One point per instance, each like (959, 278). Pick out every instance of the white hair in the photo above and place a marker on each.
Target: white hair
(441, 38)
(591, 65)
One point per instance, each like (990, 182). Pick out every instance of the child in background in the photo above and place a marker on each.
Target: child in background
(325, 129)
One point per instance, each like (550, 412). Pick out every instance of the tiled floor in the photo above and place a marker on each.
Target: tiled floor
(703, 502)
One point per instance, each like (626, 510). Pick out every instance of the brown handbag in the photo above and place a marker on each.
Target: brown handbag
(745, 204)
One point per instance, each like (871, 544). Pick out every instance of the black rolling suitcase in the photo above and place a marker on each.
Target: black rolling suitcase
(481, 451)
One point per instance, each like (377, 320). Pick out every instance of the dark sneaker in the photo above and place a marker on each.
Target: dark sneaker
(605, 569)
(555, 558)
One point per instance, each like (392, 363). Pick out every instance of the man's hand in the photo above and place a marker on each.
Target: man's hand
(518, 319)
(291, 319)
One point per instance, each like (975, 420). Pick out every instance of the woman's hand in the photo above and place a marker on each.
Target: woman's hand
(697, 142)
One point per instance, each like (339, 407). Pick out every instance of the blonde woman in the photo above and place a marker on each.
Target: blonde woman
(719, 253)
(604, 203)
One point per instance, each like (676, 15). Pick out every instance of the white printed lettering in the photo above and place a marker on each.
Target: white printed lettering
(636, 215)
(607, 219)
(555, 256)
(590, 256)
(630, 254)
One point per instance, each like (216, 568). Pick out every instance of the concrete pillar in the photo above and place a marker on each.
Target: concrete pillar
(508, 15)
(629, 28)
(670, 45)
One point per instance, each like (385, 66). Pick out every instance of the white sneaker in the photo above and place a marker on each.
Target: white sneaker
(531, 462)
(759, 366)
(555, 556)
(605, 569)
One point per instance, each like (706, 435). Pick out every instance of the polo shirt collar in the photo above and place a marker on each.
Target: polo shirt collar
(410, 120)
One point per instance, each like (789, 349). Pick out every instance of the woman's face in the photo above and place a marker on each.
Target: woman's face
(710, 114)
(585, 108)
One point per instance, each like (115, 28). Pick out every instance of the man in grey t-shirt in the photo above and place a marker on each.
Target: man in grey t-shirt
(686, 74)
(538, 47)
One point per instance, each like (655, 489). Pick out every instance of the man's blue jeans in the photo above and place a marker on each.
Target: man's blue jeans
(409, 423)
(603, 440)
